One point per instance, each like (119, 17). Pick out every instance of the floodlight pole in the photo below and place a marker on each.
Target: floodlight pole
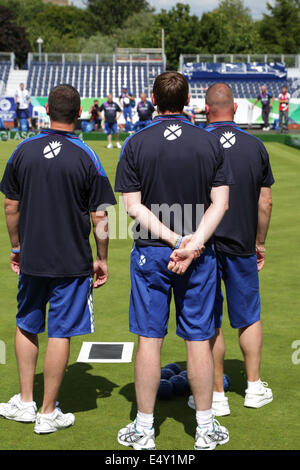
(163, 41)
(40, 42)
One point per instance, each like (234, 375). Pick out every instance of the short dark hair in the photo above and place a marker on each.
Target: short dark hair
(64, 104)
(171, 91)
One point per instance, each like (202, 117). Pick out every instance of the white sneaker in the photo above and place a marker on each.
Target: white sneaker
(206, 439)
(260, 398)
(46, 424)
(219, 407)
(16, 410)
(129, 436)
(109, 146)
(118, 145)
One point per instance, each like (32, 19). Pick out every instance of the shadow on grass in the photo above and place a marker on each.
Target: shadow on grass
(235, 369)
(79, 391)
(177, 408)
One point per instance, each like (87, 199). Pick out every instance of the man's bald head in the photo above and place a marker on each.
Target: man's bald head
(219, 100)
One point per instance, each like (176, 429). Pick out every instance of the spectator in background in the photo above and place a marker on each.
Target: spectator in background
(22, 100)
(145, 109)
(189, 112)
(112, 113)
(267, 101)
(284, 99)
(127, 102)
(95, 114)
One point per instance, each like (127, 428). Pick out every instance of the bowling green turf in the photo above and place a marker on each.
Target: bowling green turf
(102, 395)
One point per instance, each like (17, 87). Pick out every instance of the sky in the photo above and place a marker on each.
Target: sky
(198, 7)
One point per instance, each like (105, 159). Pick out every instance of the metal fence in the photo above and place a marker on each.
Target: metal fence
(8, 57)
(290, 60)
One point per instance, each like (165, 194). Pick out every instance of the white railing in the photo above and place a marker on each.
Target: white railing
(290, 60)
(8, 57)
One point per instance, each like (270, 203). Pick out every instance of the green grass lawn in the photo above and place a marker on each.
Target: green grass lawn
(102, 395)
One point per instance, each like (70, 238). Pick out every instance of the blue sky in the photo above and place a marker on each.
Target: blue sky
(198, 7)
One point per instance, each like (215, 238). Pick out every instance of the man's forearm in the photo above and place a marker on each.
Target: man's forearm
(152, 224)
(211, 218)
(101, 234)
(12, 214)
(264, 215)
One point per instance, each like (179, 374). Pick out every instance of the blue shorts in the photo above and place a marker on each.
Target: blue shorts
(70, 305)
(141, 125)
(151, 292)
(127, 112)
(110, 128)
(241, 281)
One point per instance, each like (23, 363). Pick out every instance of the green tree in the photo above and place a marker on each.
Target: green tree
(280, 29)
(13, 38)
(229, 29)
(181, 30)
(98, 44)
(135, 31)
(110, 15)
(60, 27)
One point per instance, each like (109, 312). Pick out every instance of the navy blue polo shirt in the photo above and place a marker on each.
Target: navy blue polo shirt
(110, 111)
(265, 99)
(145, 110)
(174, 164)
(249, 161)
(58, 180)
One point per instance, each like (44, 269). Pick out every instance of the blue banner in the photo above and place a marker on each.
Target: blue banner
(8, 109)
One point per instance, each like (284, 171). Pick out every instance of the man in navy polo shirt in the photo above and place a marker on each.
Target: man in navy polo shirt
(240, 246)
(170, 173)
(54, 186)
(144, 109)
(267, 100)
(112, 113)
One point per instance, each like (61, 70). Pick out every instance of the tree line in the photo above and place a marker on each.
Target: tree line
(104, 25)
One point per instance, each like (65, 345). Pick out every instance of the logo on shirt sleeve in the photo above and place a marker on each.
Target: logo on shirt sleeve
(227, 139)
(142, 260)
(172, 132)
(52, 149)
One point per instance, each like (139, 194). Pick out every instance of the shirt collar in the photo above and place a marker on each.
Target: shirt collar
(222, 123)
(163, 117)
(59, 132)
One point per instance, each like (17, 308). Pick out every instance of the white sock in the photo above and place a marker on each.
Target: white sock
(205, 419)
(218, 395)
(144, 420)
(25, 403)
(254, 386)
(48, 415)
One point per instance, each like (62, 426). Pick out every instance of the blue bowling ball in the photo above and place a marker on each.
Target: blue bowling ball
(183, 373)
(226, 382)
(165, 390)
(175, 367)
(166, 373)
(180, 384)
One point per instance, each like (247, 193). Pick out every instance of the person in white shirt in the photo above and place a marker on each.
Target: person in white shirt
(22, 100)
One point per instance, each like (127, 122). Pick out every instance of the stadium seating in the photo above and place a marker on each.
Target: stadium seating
(91, 79)
(241, 88)
(245, 79)
(4, 72)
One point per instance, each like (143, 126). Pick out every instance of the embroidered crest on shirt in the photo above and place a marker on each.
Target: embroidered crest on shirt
(142, 260)
(172, 132)
(227, 139)
(52, 149)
